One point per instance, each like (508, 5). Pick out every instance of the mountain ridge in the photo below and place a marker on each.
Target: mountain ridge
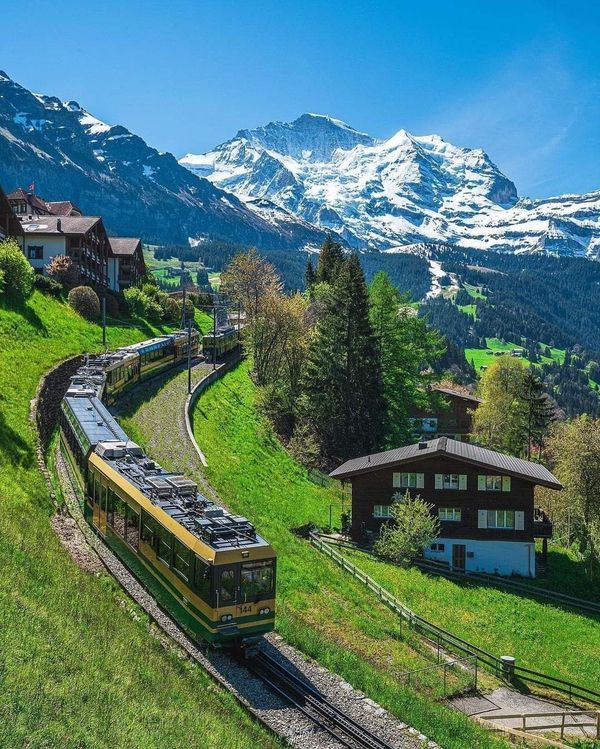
(108, 170)
(406, 189)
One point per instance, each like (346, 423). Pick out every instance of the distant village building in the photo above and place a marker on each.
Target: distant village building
(483, 499)
(455, 421)
(9, 225)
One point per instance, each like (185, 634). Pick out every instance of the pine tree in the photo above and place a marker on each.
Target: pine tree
(330, 261)
(342, 387)
(407, 348)
(539, 408)
(310, 276)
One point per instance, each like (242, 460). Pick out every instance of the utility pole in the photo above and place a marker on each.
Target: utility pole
(183, 311)
(214, 337)
(104, 321)
(189, 352)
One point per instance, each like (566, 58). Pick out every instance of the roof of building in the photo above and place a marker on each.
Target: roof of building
(124, 245)
(457, 394)
(63, 208)
(68, 224)
(31, 198)
(462, 451)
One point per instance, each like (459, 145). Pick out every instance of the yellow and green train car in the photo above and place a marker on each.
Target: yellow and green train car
(208, 568)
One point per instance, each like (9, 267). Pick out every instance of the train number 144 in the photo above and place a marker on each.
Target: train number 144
(247, 609)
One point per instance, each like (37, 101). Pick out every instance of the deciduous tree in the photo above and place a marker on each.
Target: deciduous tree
(412, 527)
(16, 272)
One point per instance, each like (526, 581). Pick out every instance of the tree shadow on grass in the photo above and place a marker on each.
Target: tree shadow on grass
(13, 448)
(26, 312)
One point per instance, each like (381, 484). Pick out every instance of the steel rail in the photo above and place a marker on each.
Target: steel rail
(314, 704)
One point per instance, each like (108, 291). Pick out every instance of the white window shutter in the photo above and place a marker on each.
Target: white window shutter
(462, 481)
(519, 520)
(505, 483)
(482, 518)
(481, 483)
(420, 480)
(397, 481)
(439, 481)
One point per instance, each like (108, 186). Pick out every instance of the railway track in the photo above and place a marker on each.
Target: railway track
(314, 704)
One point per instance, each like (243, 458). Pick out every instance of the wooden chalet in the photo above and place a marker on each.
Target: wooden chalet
(126, 265)
(483, 499)
(82, 238)
(28, 204)
(454, 420)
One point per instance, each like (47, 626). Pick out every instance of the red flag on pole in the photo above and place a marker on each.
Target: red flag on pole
(31, 187)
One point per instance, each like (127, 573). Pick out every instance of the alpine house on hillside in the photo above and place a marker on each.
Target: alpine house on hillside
(483, 499)
(9, 226)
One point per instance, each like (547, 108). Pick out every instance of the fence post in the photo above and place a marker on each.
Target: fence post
(524, 719)
(508, 667)
(445, 669)
(598, 724)
(562, 727)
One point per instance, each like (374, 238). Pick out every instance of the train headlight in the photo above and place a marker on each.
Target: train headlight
(226, 618)
(264, 612)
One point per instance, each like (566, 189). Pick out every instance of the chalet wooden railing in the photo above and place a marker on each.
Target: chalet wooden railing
(449, 641)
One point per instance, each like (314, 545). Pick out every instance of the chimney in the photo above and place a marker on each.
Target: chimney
(58, 225)
(423, 445)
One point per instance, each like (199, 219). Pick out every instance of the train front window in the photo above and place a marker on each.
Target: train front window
(227, 586)
(256, 579)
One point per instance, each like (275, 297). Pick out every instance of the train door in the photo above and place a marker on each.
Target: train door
(226, 586)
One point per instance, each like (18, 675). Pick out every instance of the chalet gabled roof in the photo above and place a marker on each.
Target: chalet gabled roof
(63, 208)
(466, 452)
(20, 194)
(124, 245)
(456, 394)
(68, 224)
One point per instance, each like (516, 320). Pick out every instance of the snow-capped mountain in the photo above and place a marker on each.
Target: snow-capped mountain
(109, 171)
(407, 189)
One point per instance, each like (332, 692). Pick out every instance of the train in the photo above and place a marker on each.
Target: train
(208, 568)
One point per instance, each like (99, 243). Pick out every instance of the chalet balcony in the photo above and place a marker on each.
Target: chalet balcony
(542, 526)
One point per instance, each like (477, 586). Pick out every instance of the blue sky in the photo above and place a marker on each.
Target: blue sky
(519, 79)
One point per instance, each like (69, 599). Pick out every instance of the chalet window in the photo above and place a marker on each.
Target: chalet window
(501, 519)
(493, 483)
(452, 514)
(409, 480)
(450, 481)
(35, 252)
(437, 547)
(382, 511)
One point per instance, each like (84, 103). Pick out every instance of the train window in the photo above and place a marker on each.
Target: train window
(119, 516)
(97, 490)
(110, 508)
(148, 529)
(202, 579)
(104, 499)
(165, 543)
(132, 527)
(182, 558)
(256, 579)
(226, 587)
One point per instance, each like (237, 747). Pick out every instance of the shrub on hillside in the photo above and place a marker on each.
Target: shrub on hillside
(15, 270)
(171, 309)
(136, 301)
(63, 270)
(84, 300)
(47, 285)
(412, 528)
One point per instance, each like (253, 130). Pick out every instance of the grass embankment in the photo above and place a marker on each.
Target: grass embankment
(543, 637)
(78, 667)
(321, 609)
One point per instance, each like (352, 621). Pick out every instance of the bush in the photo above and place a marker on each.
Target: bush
(84, 300)
(411, 529)
(47, 285)
(64, 271)
(171, 309)
(16, 272)
(136, 301)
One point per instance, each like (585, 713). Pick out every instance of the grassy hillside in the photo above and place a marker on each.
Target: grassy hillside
(320, 609)
(544, 637)
(78, 667)
(484, 357)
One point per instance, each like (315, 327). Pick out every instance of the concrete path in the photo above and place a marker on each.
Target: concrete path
(503, 701)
